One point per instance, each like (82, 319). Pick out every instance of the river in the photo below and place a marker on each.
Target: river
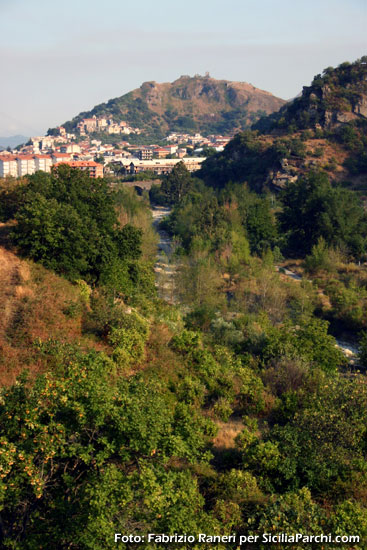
(165, 269)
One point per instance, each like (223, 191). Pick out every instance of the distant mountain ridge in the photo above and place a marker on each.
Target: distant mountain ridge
(189, 104)
(12, 141)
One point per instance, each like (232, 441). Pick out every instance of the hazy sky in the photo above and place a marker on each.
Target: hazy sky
(59, 58)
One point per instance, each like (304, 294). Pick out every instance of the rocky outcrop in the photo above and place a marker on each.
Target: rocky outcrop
(335, 98)
(360, 107)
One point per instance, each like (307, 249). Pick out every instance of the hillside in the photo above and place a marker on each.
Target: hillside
(36, 305)
(198, 103)
(325, 128)
(221, 413)
(335, 97)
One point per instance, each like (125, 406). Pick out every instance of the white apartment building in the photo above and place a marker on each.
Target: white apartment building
(8, 166)
(26, 165)
(43, 162)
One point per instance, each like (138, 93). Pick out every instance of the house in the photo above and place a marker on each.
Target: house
(161, 152)
(181, 152)
(71, 148)
(94, 169)
(60, 157)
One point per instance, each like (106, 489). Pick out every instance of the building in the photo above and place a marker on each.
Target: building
(80, 127)
(113, 128)
(161, 152)
(26, 165)
(196, 139)
(43, 162)
(47, 142)
(90, 124)
(144, 154)
(8, 166)
(160, 166)
(101, 124)
(70, 148)
(94, 169)
(36, 143)
(60, 157)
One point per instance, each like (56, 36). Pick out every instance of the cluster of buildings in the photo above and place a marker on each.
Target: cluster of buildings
(22, 165)
(81, 151)
(104, 124)
(215, 141)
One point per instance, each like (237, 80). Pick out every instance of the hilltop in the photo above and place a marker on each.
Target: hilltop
(198, 103)
(335, 97)
(325, 128)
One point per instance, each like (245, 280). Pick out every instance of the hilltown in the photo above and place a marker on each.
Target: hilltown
(81, 151)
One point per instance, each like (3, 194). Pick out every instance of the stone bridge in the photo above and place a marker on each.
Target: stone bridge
(143, 185)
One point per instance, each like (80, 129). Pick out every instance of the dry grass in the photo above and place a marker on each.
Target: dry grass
(227, 433)
(33, 304)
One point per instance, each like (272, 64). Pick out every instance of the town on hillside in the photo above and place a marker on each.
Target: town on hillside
(80, 150)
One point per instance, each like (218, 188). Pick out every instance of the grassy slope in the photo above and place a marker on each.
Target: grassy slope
(34, 304)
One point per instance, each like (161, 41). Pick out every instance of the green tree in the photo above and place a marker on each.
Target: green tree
(177, 184)
(67, 221)
(82, 449)
(313, 209)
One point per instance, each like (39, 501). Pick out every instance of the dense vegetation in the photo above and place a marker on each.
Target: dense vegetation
(234, 417)
(232, 411)
(68, 222)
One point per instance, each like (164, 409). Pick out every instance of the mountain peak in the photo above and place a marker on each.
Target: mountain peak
(189, 103)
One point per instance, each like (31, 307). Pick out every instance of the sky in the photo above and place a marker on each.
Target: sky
(60, 58)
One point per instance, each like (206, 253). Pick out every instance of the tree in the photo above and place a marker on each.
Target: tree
(67, 221)
(313, 209)
(81, 449)
(177, 184)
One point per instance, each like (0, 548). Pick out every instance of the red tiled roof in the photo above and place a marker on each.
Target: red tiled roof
(7, 157)
(79, 163)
